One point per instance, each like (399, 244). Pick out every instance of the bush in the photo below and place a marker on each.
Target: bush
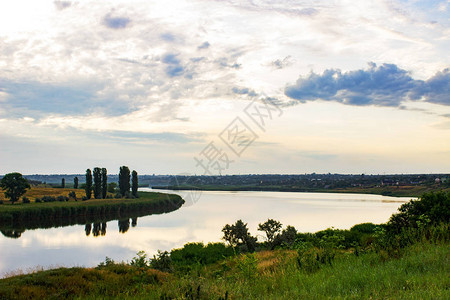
(1, 201)
(61, 198)
(48, 199)
(162, 262)
(25, 200)
(73, 195)
(140, 260)
(84, 198)
(430, 209)
(37, 200)
(197, 253)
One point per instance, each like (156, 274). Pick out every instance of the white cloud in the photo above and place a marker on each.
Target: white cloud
(155, 67)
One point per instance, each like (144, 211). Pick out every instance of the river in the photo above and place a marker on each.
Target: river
(199, 220)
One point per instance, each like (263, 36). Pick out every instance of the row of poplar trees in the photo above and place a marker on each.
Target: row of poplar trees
(97, 182)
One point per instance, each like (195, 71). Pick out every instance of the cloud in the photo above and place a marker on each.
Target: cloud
(384, 85)
(282, 63)
(170, 58)
(174, 67)
(71, 98)
(116, 22)
(244, 91)
(168, 37)
(60, 5)
(133, 136)
(205, 45)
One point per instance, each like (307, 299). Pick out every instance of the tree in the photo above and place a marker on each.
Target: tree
(104, 183)
(124, 180)
(97, 183)
(75, 183)
(88, 187)
(271, 228)
(238, 234)
(63, 183)
(134, 184)
(112, 187)
(14, 185)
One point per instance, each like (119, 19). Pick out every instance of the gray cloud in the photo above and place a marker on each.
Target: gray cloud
(384, 85)
(174, 67)
(168, 37)
(36, 99)
(60, 5)
(244, 91)
(116, 22)
(205, 45)
(282, 63)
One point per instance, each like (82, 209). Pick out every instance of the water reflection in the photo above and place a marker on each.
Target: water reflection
(84, 245)
(94, 223)
(97, 229)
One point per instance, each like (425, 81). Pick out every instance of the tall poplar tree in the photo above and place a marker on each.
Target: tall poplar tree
(97, 183)
(88, 187)
(134, 183)
(75, 183)
(104, 183)
(124, 180)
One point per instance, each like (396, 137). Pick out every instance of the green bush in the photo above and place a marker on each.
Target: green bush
(198, 254)
(162, 261)
(25, 200)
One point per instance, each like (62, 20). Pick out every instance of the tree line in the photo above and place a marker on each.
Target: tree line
(15, 185)
(97, 183)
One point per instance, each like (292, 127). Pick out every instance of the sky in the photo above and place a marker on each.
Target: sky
(225, 87)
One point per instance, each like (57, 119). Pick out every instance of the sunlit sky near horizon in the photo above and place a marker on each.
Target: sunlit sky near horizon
(353, 86)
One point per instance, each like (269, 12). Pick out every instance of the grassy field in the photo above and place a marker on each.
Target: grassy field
(401, 191)
(422, 272)
(38, 192)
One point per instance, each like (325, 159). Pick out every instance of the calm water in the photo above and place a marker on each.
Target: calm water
(200, 219)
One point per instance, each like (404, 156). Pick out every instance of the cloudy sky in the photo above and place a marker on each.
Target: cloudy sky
(197, 86)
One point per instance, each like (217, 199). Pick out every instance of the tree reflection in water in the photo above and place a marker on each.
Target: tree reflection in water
(124, 225)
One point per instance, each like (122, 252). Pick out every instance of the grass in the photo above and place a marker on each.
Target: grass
(422, 272)
(39, 192)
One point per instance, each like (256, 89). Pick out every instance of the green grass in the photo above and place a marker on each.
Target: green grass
(422, 272)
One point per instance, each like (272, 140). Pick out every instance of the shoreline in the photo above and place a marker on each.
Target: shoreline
(415, 193)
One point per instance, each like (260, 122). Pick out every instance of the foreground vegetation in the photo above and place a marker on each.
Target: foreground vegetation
(408, 257)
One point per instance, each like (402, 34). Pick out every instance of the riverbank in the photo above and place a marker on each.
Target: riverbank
(421, 272)
(69, 211)
(401, 191)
